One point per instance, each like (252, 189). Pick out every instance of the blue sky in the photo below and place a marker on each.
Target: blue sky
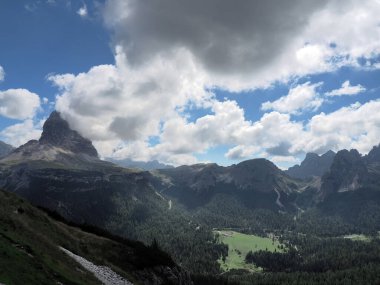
(187, 82)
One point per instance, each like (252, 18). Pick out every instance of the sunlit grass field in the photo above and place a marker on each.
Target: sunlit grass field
(240, 244)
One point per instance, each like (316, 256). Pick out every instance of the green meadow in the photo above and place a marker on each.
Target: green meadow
(240, 244)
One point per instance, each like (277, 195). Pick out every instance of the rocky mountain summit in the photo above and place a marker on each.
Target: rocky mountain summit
(57, 132)
(58, 144)
(312, 165)
(373, 156)
(348, 171)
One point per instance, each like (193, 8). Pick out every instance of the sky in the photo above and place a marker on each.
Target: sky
(185, 82)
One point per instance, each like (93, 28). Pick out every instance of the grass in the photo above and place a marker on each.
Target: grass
(358, 237)
(240, 244)
(29, 253)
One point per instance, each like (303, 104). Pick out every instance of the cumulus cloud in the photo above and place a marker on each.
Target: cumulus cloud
(2, 73)
(18, 103)
(248, 44)
(300, 98)
(116, 102)
(233, 37)
(347, 89)
(82, 11)
(240, 152)
(281, 149)
(21, 133)
(354, 126)
(170, 53)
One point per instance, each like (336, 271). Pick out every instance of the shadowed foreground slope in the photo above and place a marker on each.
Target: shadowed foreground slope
(30, 254)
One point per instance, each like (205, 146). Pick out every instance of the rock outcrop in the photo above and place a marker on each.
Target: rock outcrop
(57, 132)
(312, 165)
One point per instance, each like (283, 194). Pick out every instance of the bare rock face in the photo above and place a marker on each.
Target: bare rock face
(57, 132)
(313, 165)
(374, 155)
(347, 173)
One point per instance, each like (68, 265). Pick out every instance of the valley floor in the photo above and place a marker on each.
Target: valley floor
(239, 244)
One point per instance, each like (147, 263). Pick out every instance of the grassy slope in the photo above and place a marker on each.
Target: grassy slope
(29, 253)
(240, 244)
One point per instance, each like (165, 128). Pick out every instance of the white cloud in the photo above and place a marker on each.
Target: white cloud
(2, 73)
(82, 11)
(284, 162)
(170, 53)
(30, 7)
(300, 98)
(18, 103)
(241, 152)
(118, 103)
(347, 89)
(355, 126)
(21, 133)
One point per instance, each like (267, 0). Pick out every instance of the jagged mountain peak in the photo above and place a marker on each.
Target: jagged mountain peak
(329, 153)
(373, 155)
(59, 144)
(312, 165)
(347, 173)
(57, 132)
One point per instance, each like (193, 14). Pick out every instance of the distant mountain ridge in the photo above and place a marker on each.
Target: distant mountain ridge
(5, 149)
(143, 165)
(248, 181)
(312, 165)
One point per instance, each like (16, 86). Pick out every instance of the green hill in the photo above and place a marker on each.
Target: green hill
(30, 241)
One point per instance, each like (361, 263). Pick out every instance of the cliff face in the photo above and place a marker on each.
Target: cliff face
(373, 156)
(59, 145)
(312, 165)
(56, 132)
(348, 172)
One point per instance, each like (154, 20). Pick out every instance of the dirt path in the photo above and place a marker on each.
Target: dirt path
(278, 202)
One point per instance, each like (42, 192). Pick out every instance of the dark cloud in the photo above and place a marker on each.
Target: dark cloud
(225, 36)
(128, 128)
(280, 150)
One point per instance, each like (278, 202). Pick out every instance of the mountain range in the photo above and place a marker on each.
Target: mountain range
(179, 207)
(142, 165)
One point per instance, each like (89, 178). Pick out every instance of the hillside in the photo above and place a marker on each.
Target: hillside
(30, 242)
(180, 207)
(67, 177)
